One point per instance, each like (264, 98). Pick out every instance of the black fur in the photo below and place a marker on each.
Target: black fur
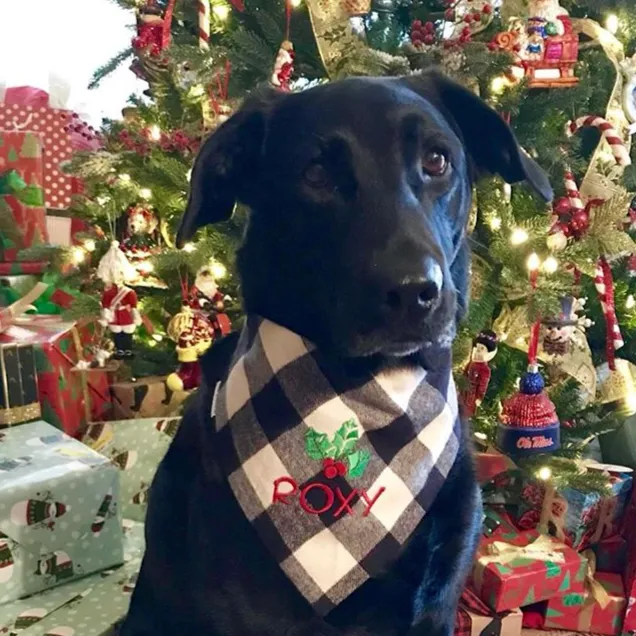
(343, 219)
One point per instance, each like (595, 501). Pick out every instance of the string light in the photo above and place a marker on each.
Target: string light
(544, 473)
(157, 336)
(221, 11)
(550, 265)
(498, 85)
(89, 245)
(78, 255)
(296, 3)
(146, 267)
(103, 200)
(518, 236)
(611, 23)
(218, 270)
(533, 262)
(155, 132)
(630, 303)
(189, 247)
(125, 178)
(495, 223)
(481, 436)
(145, 193)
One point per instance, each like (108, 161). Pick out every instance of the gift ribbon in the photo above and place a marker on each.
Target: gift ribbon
(542, 549)
(548, 516)
(606, 518)
(598, 594)
(10, 314)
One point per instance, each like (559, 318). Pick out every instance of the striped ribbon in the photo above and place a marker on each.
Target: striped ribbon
(604, 284)
(204, 24)
(618, 148)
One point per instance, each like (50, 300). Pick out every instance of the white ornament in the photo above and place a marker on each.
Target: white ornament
(557, 241)
(628, 67)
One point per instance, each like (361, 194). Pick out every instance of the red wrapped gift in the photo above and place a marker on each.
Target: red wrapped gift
(474, 618)
(27, 109)
(21, 195)
(525, 569)
(64, 230)
(599, 610)
(58, 347)
(611, 555)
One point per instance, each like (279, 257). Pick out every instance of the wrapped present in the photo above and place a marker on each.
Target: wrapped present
(526, 569)
(58, 346)
(611, 555)
(18, 385)
(28, 109)
(145, 397)
(490, 464)
(599, 610)
(64, 230)
(474, 618)
(45, 476)
(23, 268)
(498, 523)
(22, 211)
(52, 611)
(136, 447)
(577, 518)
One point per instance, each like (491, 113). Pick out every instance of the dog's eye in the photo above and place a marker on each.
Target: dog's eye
(435, 163)
(316, 176)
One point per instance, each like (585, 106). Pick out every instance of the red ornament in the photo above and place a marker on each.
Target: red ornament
(580, 222)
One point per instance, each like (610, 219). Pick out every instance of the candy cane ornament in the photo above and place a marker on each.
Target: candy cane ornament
(618, 148)
(204, 24)
(572, 190)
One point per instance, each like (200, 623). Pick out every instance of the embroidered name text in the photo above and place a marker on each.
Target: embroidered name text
(286, 488)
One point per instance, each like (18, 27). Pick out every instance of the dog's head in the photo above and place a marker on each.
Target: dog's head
(359, 192)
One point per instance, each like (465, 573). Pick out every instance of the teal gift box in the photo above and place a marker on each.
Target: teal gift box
(91, 606)
(59, 517)
(136, 446)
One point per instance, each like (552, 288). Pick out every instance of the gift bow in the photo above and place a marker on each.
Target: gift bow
(598, 594)
(542, 549)
(8, 315)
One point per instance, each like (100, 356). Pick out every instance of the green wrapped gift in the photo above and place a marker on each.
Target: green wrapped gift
(136, 447)
(88, 607)
(59, 516)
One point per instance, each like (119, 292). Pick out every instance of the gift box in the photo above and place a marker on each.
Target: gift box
(145, 397)
(22, 212)
(497, 523)
(58, 346)
(474, 618)
(88, 607)
(136, 447)
(598, 611)
(58, 511)
(18, 385)
(611, 555)
(28, 109)
(526, 569)
(64, 231)
(577, 518)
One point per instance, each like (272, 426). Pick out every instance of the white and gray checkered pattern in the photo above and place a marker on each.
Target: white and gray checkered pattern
(280, 387)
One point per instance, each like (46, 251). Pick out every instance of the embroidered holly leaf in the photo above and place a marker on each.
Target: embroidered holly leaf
(345, 438)
(358, 462)
(318, 446)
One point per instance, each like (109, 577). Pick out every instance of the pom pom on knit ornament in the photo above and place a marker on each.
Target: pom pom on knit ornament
(529, 423)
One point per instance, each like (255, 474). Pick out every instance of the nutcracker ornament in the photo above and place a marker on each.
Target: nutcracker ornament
(477, 372)
(283, 66)
(206, 299)
(119, 302)
(193, 334)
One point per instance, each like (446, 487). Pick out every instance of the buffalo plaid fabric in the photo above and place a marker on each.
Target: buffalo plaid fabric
(334, 466)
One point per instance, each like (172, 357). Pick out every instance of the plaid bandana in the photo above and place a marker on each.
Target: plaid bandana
(334, 468)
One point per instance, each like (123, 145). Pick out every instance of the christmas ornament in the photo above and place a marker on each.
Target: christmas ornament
(283, 66)
(355, 8)
(119, 302)
(604, 283)
(193, 334)
(153, 28)
(140, 237)
(559, 330)
(477, 373)
(609, 134)
(206, 299)
(204, 24)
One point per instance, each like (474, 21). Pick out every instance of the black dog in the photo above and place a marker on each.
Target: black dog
(359, 192)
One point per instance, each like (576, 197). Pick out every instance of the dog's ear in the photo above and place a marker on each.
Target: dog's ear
(227, 164)
(488, 139)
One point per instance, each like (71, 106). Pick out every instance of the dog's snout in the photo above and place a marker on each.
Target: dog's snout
(417, 294)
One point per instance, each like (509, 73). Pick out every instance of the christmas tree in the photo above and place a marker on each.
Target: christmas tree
(559, 73)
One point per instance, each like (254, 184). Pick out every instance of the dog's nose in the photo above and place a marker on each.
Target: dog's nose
(416, 295)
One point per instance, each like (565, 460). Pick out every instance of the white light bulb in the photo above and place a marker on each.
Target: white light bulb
(155, 132)
(124, 177)
(550, 265)
(189, 247)
(498, 85)
(481, 436)
(221, 11)
(545, 473)
(495, 223)
(218, 270)
(518, 236)
(189, 175)
(145, 193)
(630, 303)
(89, 245)
(296, 3)
(78, 255)
(157, 336)
(611, 23)
(533, 262)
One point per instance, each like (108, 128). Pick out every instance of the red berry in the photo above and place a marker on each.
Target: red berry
(327, 461)
(417, 24)
(331, 472)
(516, 48)
(468, 18)
(341, 468)
(429, 39)
(466, 31)
(492, 46)
(429, 27)
(487, 9)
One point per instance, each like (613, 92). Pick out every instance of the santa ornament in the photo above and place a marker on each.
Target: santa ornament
(153, 28)
(283, 66)
(119, 302)
(477, 372)
(206, 299)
